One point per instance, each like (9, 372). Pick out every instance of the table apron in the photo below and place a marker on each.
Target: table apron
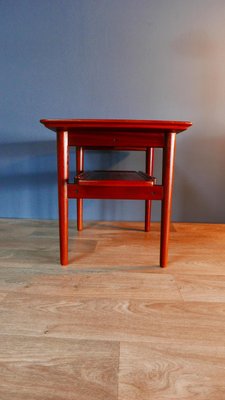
(76, 191)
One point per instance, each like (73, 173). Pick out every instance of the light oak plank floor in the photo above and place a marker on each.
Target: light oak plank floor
(112, 325)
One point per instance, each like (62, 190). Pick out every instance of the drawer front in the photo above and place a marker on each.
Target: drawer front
(101, 139)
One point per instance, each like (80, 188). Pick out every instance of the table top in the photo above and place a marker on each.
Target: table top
(116, 125)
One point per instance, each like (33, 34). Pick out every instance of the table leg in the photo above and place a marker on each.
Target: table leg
(149, 170)
(168, 169)
(79, 168)
(63, 175)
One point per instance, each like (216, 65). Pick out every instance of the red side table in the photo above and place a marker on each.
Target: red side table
(115, 135)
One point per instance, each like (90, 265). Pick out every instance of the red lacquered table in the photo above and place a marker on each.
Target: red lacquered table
(117, 135)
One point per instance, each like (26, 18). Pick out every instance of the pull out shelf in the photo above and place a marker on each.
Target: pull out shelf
(115, 185)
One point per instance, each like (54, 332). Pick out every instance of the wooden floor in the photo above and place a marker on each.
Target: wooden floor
(112, 325)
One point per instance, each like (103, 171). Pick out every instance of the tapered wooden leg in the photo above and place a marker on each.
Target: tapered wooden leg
(168, 169)
(63, 174)
(79, 168)
(149, 170)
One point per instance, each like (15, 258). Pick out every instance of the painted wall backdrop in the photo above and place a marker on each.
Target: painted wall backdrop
(145, 59)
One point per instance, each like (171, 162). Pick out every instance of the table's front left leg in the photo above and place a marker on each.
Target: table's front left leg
(63, 175)
(168, 171)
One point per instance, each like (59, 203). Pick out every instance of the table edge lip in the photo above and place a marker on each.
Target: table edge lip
(64, 124)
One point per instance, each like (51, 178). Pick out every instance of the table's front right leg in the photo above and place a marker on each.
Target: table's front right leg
(63, 175)
(168, 171)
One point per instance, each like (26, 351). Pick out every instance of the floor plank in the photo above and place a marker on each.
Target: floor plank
(108, 285)
(48, 368)
(111, 319)
(208, 288)
(171, 371)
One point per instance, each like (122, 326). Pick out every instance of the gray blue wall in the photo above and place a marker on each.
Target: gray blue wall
(145, 59)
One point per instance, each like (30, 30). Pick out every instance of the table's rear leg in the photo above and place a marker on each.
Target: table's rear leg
(79, 168)
(63, 174)
(149, 170)
(168, 169)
